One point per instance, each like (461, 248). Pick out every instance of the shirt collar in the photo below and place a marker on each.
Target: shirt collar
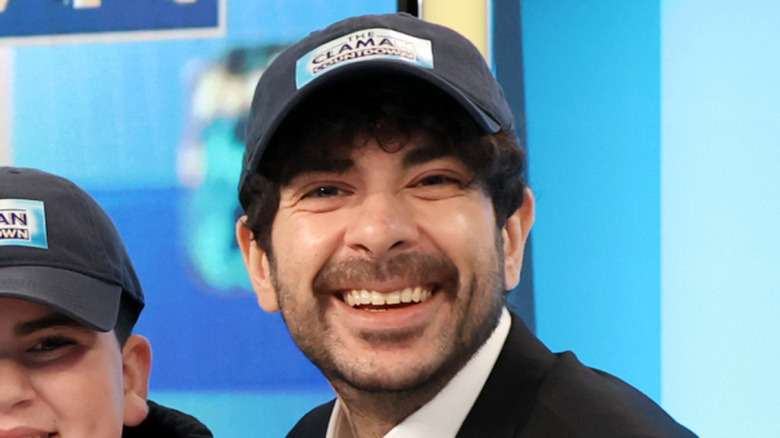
(443, 414)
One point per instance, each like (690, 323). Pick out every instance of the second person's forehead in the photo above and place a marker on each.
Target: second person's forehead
(28, 317)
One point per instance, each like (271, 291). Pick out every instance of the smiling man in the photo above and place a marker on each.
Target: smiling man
(69, 298)
(386, 218)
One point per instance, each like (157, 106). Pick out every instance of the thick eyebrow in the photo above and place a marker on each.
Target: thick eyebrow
(423, 154)
(48, 321)
(339, 163)
(322, 163)
(328, 164)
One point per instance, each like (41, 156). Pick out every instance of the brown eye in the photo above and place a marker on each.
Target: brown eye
(324, 192)
(435, 180)
(52, 344)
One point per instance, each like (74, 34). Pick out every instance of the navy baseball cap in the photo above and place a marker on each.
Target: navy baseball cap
(398, 44)
(59, 248)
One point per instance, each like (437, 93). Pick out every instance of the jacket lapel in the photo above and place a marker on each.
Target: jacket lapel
(505, 403)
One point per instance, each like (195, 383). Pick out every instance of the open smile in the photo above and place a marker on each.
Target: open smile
(372, 300)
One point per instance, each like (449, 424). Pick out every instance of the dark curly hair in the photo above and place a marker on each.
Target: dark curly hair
(388, 109)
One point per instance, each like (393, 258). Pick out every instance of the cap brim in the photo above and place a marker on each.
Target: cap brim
(87, 300)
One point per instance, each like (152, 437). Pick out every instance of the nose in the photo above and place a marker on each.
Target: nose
(16, 391)
(382, 225)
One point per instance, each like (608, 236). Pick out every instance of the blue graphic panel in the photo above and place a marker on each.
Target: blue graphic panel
(204, 338)
(27, 18)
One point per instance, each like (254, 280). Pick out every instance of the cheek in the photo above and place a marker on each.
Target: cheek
(302, 245)
(87, 397)
(462, 232)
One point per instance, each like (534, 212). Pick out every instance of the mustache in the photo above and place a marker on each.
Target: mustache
(412, 267)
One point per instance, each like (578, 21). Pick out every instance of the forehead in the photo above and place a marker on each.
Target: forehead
(413, 148)
(25, 317)
(17, 306)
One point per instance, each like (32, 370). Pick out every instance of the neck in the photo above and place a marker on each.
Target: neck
(372, 414)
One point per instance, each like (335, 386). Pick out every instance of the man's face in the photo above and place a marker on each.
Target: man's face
(388, 267)
(57, 378)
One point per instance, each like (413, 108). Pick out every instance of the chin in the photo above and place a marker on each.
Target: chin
(394, 379)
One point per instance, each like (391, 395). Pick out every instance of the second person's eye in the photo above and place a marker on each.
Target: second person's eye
(51, 345)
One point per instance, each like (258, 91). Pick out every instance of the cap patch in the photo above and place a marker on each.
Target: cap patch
(22, 223)
(363, 45)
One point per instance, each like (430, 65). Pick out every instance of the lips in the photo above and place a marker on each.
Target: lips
(26, 432)
(401, 281)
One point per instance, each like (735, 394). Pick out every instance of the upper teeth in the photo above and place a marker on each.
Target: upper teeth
(360, 297)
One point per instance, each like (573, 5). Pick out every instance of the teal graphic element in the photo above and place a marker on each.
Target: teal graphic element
(209, 165)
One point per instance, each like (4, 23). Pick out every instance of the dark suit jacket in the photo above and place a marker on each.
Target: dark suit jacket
(532, 392)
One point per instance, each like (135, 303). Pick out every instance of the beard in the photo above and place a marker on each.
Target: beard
(476, 302)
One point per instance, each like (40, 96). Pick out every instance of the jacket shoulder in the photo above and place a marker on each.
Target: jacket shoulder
(169, 423)
(533, 392)
(599, 404)
(314, 424)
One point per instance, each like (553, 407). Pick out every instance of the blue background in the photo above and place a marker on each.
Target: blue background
(653, 146)
(26, 18)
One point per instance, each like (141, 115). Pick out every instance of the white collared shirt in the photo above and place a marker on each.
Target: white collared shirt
(443, 415)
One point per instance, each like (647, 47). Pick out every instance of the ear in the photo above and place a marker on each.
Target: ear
(515, 234)
(136, 365)
(258, 267)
